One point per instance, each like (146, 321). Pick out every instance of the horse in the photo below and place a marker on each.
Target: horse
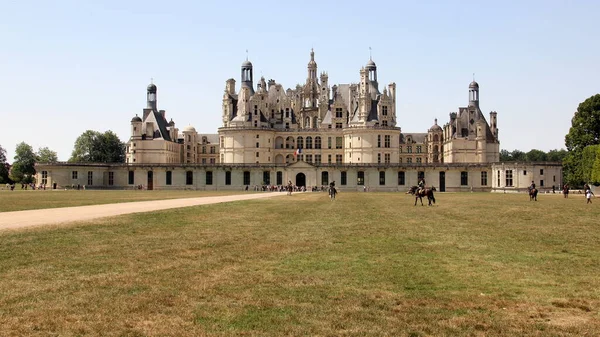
(420, 193)
(332, 192)
(533, 194)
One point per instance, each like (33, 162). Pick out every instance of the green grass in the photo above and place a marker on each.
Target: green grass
(476, 264)
(19, 200)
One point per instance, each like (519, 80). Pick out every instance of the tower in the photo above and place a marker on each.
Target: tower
(247, 75)
(474, 94)
(151, 97)
(371, 69)
(312, 67)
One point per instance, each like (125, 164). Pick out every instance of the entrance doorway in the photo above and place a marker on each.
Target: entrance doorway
(442, 181)
(150, 180)
(300, 179)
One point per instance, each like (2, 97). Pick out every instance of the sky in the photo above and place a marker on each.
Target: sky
(71, 66)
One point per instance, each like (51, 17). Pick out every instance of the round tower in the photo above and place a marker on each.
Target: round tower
(474, 94)
(247, 75)
(151, 96)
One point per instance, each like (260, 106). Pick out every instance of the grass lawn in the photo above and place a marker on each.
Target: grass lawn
(19, 200)
(475, 264)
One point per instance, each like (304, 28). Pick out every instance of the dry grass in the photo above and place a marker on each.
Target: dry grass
(19, 200)
(366, 264)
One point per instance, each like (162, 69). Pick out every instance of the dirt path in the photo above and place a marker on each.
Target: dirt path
(40, 217)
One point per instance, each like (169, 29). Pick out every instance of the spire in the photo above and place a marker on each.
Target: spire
(370, 56)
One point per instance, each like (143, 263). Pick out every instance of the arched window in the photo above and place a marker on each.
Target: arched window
(435, 138)
(300, 142)
(307, 122)
(289, 142)
(309, 142)
(317, 142)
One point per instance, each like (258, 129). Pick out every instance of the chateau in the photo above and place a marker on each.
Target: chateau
(311, 135)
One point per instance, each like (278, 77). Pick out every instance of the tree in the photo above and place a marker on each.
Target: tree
(505, 156)
(588, 159)
(23, 168)
(3, 167)
(556, 155)
(95, 147)
(584, 131)
(518, 155)
(536, 155)
(595, 180)
(45, 155)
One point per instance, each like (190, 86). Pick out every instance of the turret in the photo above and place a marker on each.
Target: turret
(474, 94)
(151, 97)
(247, 76)
(136, 127)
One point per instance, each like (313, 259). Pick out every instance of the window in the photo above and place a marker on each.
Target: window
(257, 154)
(74, 175)
(203, 160)
(509, 177)
(378, 140)
(317, 159)
(409, 160)
(325, 178)
(45, 177)
(300, 142)
(329, 142)
(387, 141)
(90, 178)
(246, 177)
(279, 178)
(257, 145)
(338, 142)
(227, 177)
(338, 125)
(400, 149)
(309, 142)
(189, 177)
(130, 180)
(498, 176)
(418, 160)
(524, 172)
(420, 175)
(360, 178)
(328, 159)
(338, 158)
(542, 183)
(203, 149)
(541, 173)
(464, 178)
(384, 110)
(409, 148)
(209, 177)
(379, 158)
(387, 158)
(317, 142)
(267, 177)
(384, 123)
(309, 158)
(338, 113)
(418, 148)
(483, 178)
(381, 177)
(212, 160)
(111, 178)
(401, 178)
(343, 178)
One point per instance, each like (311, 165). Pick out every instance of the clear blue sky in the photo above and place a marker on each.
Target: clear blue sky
(70, 66)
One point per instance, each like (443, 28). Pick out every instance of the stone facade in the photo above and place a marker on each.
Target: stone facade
(312, 134)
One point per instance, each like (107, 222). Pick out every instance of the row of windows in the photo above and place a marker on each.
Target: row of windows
(266, 179)
(307, 143)
(508, 176)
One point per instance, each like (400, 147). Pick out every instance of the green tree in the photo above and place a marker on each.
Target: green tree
(595, 180)
(518, 155)
(584, 131)
(3, 167)
(23, 168)
(95, 147)
(556, 155)
(536, 155)
(45, 155)
(588, 159)
(505, 156)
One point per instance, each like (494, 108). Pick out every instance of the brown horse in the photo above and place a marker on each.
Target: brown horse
(533, 194)
(419, 194)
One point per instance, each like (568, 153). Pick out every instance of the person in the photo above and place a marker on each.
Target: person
(532, 186)
(588, 195)
(421, 185)
(553, 189)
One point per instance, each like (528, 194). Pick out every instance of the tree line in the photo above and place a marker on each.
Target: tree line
(90, 147)
(533, 155)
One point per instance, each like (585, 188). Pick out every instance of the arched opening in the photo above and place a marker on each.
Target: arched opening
(300, 179)
(279, 143)
(279, 159)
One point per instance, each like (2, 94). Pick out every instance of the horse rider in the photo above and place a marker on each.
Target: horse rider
(421, 185)
(532, 186)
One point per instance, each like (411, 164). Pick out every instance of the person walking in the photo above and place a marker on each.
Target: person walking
(588, 195)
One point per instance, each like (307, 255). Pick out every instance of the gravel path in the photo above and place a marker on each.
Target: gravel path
(47, 216)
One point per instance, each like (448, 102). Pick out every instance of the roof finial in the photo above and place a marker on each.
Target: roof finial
(473, 77)
(246, 54)
(151, 80)
(370, 56)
